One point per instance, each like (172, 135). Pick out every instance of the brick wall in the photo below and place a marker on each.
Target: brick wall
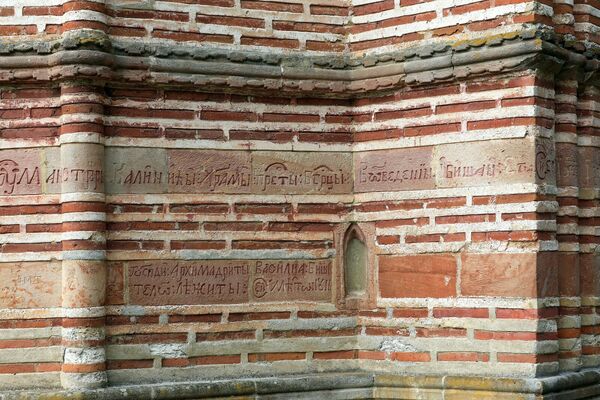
(179, 184)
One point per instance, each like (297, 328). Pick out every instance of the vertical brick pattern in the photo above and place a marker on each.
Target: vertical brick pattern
(569, 323)
(587, 127)
(84, 243)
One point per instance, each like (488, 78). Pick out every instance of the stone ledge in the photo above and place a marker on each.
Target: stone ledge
(345, 385)
(94, 55)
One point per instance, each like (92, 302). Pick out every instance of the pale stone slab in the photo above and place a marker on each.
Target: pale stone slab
(30, 285)
(209, 171)
(301, 173)
(81, 165)
(157, 282)
(136, 170)
(484, 163)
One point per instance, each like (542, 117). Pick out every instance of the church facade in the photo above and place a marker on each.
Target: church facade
(392, 199)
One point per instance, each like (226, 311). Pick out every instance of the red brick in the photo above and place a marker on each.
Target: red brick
(410, 313)
(329, 10)
(258, 316)
(535, 313)
(272, 6)
(432, 129)
(270, 357)
(410, 357)
(198, 244)
(461, 312)
(468, 356)
(403, 222)
(373, 8)
(269, 42)
(335, 355)
(191, 36)
(465, 219)
(230, 21)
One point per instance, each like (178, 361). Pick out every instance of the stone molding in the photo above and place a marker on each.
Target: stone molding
(572, 386)
(87, 54)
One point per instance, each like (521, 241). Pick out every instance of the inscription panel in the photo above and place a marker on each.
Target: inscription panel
(301, 173)
(228, 281)
(136, 170)
(30, 285)
(20, 172)
(455, 165)
(209, 171)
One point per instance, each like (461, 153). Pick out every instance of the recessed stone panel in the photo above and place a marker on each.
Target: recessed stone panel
(394, 170)
(157, 282)
(81, 167)
(301, 173)
(21, 172)
(30, 285)
(484, 163)
(136, 170)
(209, 171)
(287, 280)
(468, 164)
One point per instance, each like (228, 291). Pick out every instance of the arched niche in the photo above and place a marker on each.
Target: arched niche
(355, 262)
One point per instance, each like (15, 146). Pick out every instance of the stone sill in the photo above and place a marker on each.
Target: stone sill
(346, 385)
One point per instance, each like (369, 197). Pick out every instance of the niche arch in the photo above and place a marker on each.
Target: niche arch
(356, 266)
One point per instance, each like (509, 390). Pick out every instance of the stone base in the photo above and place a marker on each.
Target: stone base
(348, 385)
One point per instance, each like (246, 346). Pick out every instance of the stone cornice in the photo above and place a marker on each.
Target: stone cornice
(87, 54)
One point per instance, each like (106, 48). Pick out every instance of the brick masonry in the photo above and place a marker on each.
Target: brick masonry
(180, 182)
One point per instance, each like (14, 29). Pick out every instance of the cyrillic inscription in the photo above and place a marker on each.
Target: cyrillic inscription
(228, 281)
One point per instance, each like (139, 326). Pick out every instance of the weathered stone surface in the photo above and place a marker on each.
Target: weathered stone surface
(84, 283)
(301, 173)
(288, 280)
(228, 281)
(589, 166)
(399, 169)
(20, 172)
(136, 170)
(30, 285)
(82, 167)
(509, 275)
(445, 166)
(208, 171)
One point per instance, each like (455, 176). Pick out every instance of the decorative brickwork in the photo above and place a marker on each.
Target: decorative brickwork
(387, 198)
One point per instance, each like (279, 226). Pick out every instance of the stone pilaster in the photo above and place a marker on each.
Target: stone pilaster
(569, 322)
(84, 241)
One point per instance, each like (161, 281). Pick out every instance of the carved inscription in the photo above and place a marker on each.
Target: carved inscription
(228, 281)
(455, 165)
(30, 285)
(300, 173)
(136, 170)
(209, 171)
(396, 170)
(20, 172)
(291, 280)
